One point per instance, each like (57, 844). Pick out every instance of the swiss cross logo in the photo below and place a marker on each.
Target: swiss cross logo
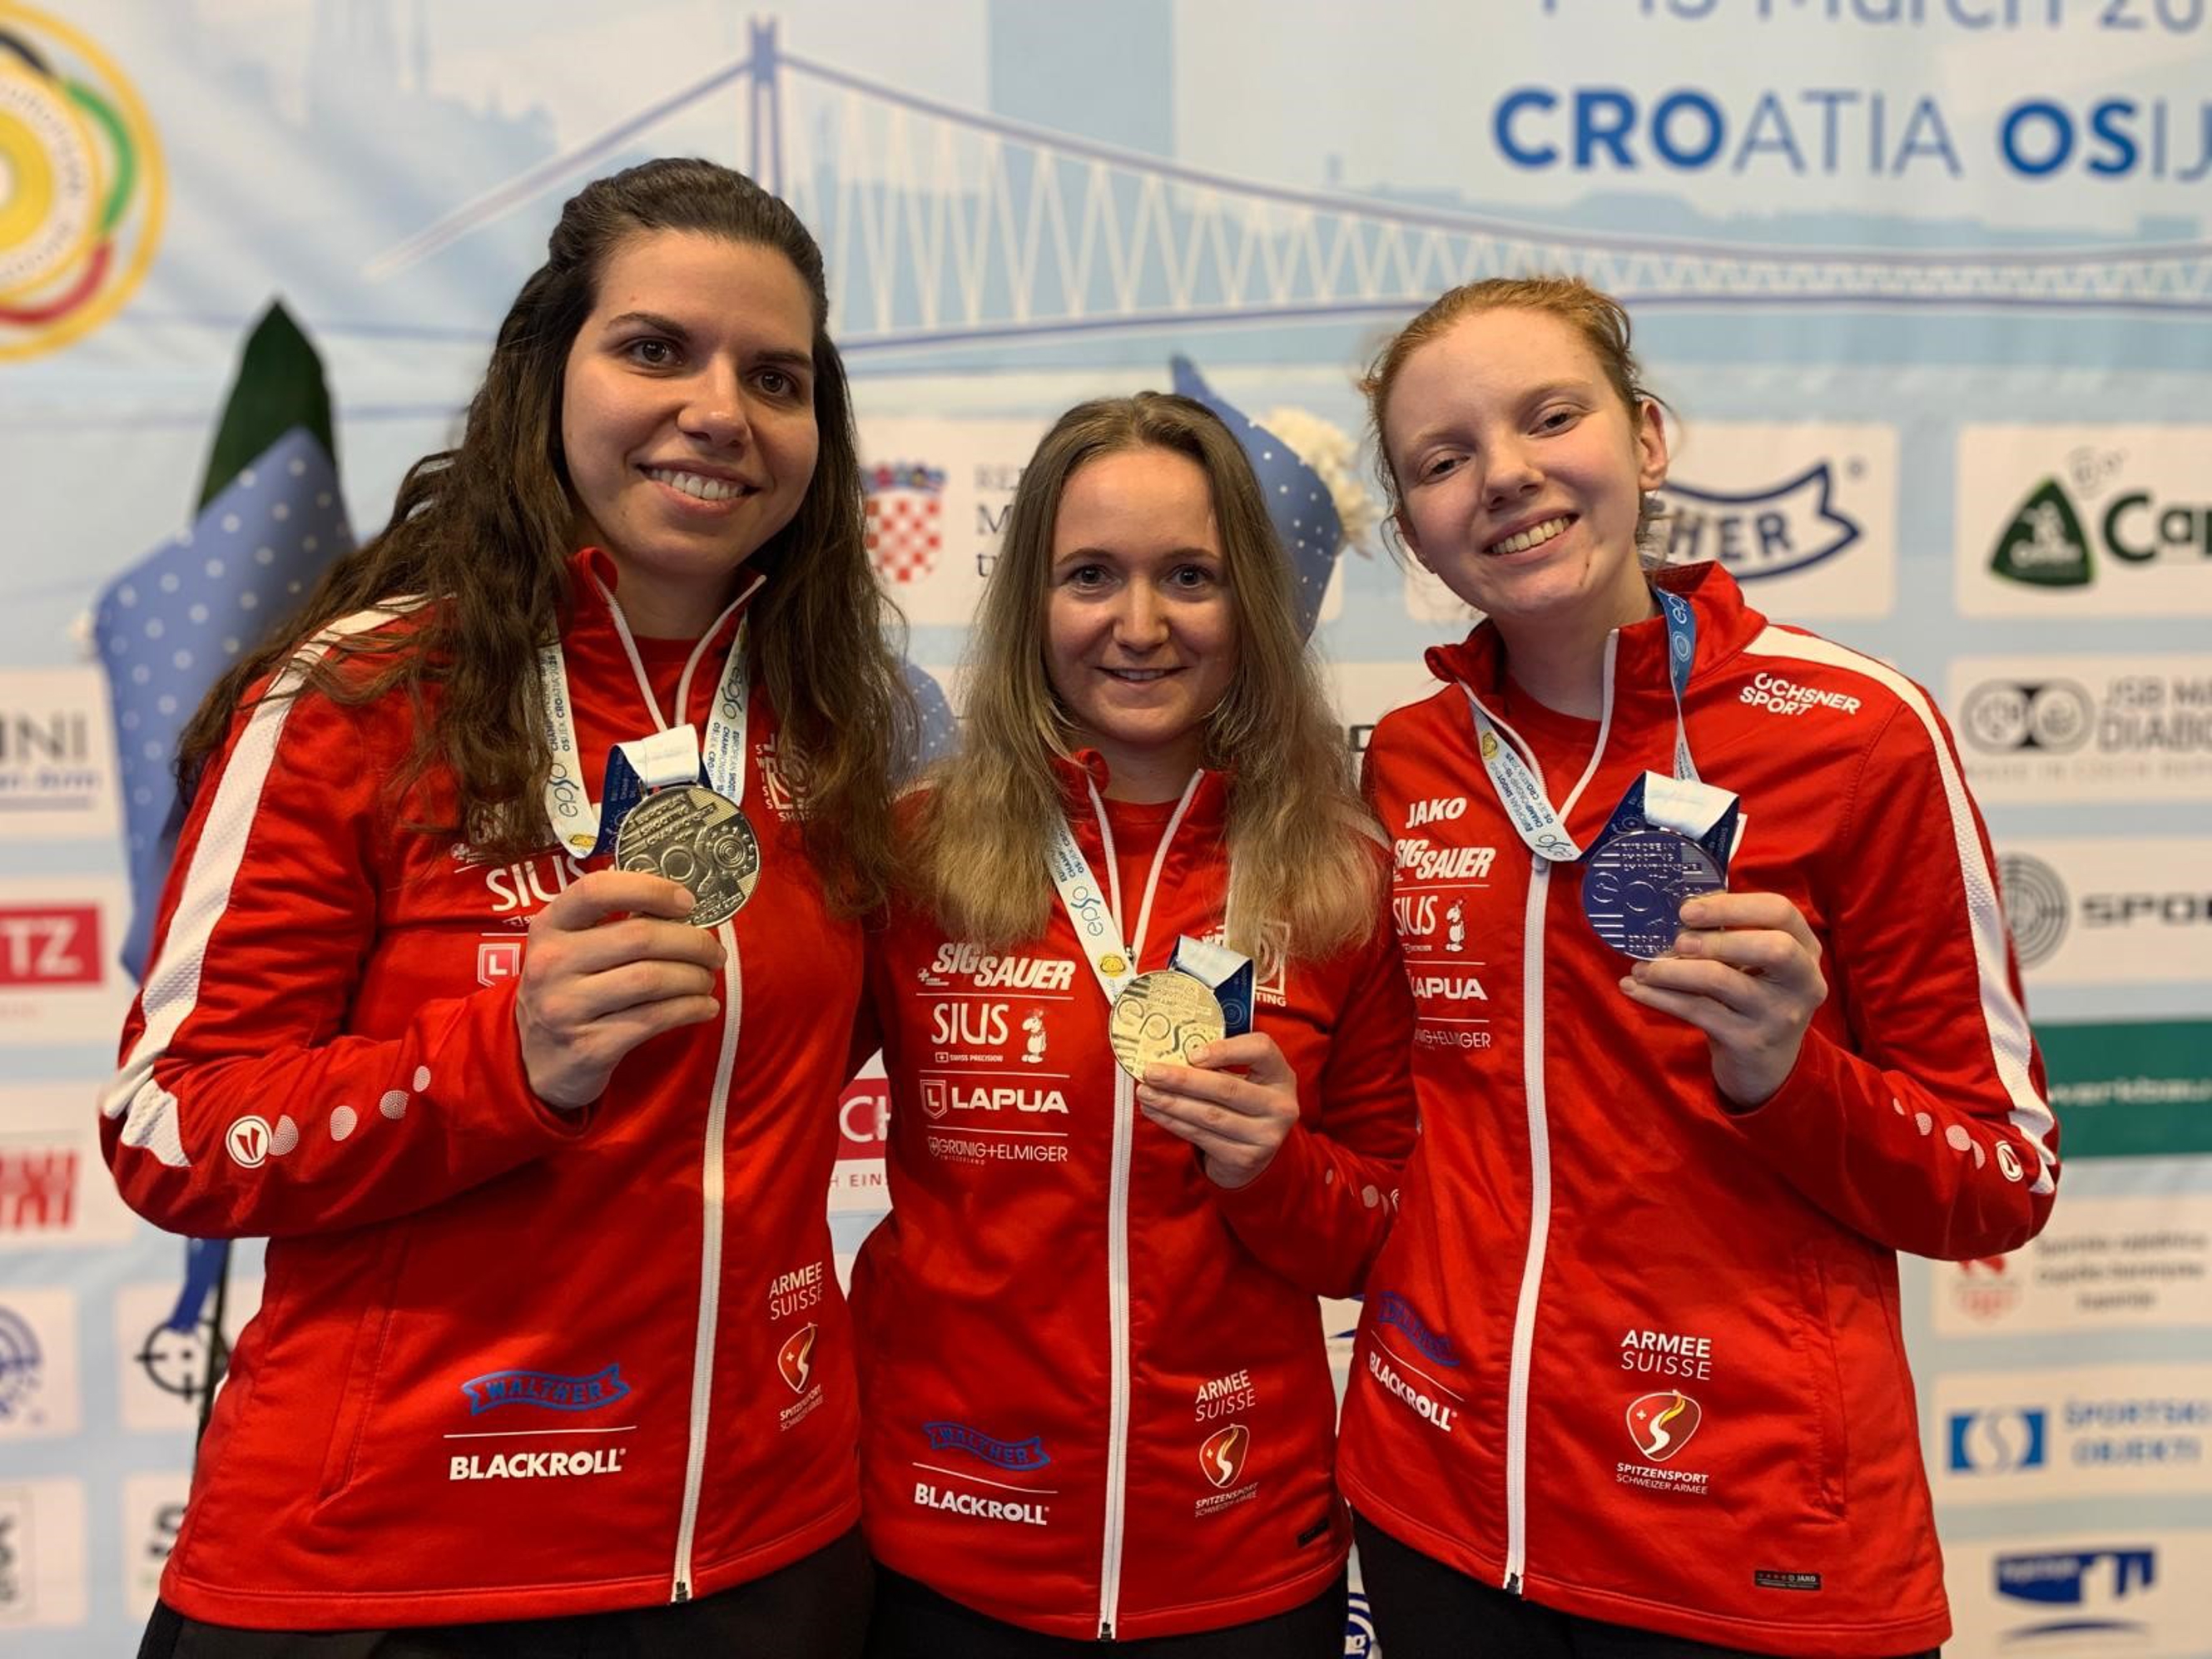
(49, 945)
(38, 1190)
(905, 518)
(795, 1358)
(1222, 1457)
(864, 1118)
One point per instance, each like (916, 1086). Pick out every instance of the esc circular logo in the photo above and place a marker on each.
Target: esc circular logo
(2002, 717)
(81, 185)
(20, 1362)
(248, 1141)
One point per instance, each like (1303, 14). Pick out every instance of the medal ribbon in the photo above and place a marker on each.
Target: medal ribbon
(672, 754)
(1097, 918)
(1523, 798)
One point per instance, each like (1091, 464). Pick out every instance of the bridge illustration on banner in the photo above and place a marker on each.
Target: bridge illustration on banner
(944, 226)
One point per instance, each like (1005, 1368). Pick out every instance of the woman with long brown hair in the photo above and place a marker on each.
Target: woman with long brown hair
(1099, 1403)
(549, 1335)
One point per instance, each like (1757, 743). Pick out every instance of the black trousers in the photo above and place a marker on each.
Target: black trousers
(913, 1621)
(815, 1609)
(1423, 1609)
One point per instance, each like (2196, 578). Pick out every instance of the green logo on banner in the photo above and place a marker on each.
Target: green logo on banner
(2043, 544)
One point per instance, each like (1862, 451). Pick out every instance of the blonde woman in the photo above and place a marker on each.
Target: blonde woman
(1098, 1403)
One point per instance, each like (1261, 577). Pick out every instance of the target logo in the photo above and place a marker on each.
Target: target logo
(2035, 906)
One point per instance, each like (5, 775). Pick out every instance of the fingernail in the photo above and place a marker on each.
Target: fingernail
(1639, 971)
(1686, 944)
(1201, 1054)
(1156, 1074)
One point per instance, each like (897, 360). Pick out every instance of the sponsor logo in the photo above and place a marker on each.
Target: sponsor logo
(84, 214)
(1033, 1037)
(864, 1119)
(1760, 532)
(1997, 1440)
(522, 886)
(1772, 1579)
(2035, 906)
(905, 502)
(1667, 1353)
(1028, 1453)
(981, 1509)
(1359, 1638)
(1434, 1411)
(1394, 1311)
(1984, 1288)
(984, 970)
(794, 1361)
(1440, 809)
(775, 788)
(1778, 695)
(1221, 1396)
(49, 945)
(22, 1368)
(498, 960)
(976, 1150)
(1222, 1456)
(50, 769)
(796, 1290)
(535, 1466)
(2045, 544)
(1447, 987)
(2009, 1164)
(247, 1140)
(2004, 717)
(16, 1605)
(942, 1094)
(1420, 860)
(547, 1389)
(981, 1025)
(2074, 1583)
(187, 1364)
(38, 1190)
(1660, 1425)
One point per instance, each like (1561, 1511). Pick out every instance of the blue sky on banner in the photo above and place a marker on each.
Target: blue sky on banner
(169, 625)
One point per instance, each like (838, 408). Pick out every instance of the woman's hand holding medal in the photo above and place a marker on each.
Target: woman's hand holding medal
(1237, 1123)
(1746, 971)
(612, 963)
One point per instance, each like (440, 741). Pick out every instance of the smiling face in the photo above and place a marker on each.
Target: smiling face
(1520, 472)
(1140, 636)
(687, 418)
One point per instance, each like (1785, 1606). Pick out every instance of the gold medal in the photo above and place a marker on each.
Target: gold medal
(1161, 1019)
(698, 838)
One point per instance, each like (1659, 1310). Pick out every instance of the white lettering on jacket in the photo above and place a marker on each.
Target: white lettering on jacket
(1438, 1414)
(982, 1509)
(536, 1466)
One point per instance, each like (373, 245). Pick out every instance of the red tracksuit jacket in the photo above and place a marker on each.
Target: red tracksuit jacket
(507, 1364)
(1097, 1393)
(1628, 1353)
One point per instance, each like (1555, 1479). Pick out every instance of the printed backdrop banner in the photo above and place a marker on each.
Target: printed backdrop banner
(1927, 288)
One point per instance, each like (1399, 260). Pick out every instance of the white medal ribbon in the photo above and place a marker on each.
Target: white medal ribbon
(1096, 917)
(671, 754)
(1531, 810)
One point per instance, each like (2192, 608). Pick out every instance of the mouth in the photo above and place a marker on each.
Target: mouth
(700, 486)
(1521, 540)
(1137, 676)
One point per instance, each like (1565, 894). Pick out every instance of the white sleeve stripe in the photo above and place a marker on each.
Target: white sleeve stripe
(173, 979)
(2002, 1016)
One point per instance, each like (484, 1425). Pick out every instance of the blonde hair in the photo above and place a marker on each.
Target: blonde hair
(1600, 319)
(1297, 829)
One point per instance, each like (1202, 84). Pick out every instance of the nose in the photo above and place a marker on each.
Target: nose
(1510, 471)
(714, 406)
(1140, 620)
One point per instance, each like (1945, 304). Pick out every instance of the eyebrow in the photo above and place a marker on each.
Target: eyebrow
(660, 325)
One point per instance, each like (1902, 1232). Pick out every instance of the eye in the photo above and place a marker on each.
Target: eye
(780, 383)
(1437, 466)
(651, 352)
(1085, 578)
(1557, 420)
(1193, 577)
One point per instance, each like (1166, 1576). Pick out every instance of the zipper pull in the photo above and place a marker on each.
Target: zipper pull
(1513, 1584)
(682, 1591)
(1105, 1631)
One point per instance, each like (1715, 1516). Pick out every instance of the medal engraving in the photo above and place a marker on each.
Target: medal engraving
(1161, 1019)
(1635, 883)
(694, 836)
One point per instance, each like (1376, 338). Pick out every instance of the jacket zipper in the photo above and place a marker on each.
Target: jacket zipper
(710, 1265)
(1539, 1155)
(1117, 1231)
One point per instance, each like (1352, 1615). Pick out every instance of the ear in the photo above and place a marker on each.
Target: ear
(1406, 535)
(1650, 445)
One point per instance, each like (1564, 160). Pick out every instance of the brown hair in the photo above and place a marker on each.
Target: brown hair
(1304, 880)
(484, 530)
(1599, 318)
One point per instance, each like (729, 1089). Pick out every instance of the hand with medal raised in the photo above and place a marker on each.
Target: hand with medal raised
(1746, 971)
(612, 963)
(1236, 1101)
